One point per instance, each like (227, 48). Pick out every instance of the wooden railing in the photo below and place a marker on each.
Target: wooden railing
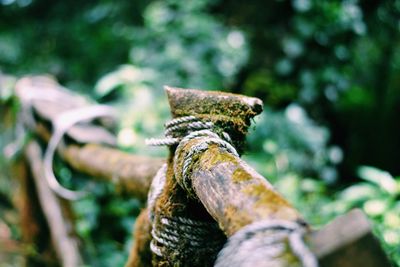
(205, 184)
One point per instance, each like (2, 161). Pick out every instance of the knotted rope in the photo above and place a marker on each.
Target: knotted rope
(181, 232)
(263, 239)
(180, 237)
(181, 131)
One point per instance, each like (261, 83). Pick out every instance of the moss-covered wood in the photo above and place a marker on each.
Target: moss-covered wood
(231, 113)
(131, 173)
(140, 255)
(234, 194)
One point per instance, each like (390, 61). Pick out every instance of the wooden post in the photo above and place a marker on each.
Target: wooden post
(226, 190)
(65, 243)
(232, 192)
(235, 194)
(348, 241)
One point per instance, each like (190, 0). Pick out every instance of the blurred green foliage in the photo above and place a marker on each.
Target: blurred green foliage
(326, 70)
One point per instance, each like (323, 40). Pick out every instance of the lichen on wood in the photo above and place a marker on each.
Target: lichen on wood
(231, 113)
(234, 194)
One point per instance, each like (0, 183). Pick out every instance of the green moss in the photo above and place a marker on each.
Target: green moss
(269, 204)
(239, 175)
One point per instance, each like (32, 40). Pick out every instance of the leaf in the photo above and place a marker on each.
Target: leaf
(359, 192)
(376, 207)
(381, 178)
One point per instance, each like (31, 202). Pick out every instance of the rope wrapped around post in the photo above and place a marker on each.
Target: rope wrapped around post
(208, 180)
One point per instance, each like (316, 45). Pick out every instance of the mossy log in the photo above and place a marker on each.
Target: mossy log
(131, 173)
(234, 194)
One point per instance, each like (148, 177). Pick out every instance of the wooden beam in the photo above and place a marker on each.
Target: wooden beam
(234, 193)
(65, 243)
(131, 173)
(348, 241)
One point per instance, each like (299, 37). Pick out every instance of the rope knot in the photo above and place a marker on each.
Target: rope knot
(182, 131)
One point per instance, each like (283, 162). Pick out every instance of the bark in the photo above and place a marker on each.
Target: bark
(65, 243)
(140, 255)
(234, 194)
(133, 174)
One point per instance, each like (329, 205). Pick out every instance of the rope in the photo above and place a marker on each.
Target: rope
(206, 138)
(156, 188)
(180, 131)
(61, 125)
(182, 232)
(265, 239)
(179, 128)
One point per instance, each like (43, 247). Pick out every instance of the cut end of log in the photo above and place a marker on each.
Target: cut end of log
(186, 102)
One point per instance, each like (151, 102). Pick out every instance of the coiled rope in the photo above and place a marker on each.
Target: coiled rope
(196, 236)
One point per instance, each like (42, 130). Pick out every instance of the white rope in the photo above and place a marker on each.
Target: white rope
(170, 233)
(156, 188)
(178, 128)
(180, 120)
(206, 138)
(61, 124)
(266, 237)
(180, 131)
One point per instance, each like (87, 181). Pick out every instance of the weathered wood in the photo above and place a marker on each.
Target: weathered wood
(234, 194)
(185, 102)
(348, 241)
(140, 255)
(65, 243)
(230, 112)
(131, 173)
